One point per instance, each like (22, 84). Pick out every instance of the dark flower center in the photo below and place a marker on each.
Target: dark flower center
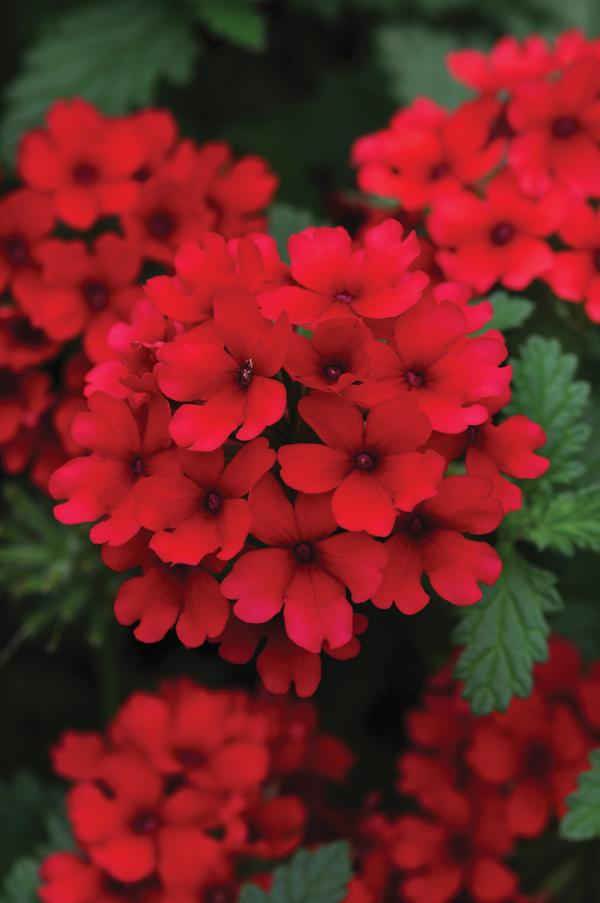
(118, 889)
(502, 233)
(190, 758)
(364, 461)
(23, 332)
(596, 259)
(16, 250)
(137, 467)
(218, 893)
(472, 434)
(438, 171)
(415, 524)
(96, 294)
(9, 384)
(344, 297)
(161, 224)
(142, 174)
(332, 372)
(85, 174)
(460, 848)
(304, 552)
(244, 372)
(146, 822)
(414, 379)
(565, 127)
(501, 127)
(538, 760)
(213, 501)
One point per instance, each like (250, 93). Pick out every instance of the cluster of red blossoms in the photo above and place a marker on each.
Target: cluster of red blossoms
(271, 442)
(100, 199)
(506, 186)
(189, 793)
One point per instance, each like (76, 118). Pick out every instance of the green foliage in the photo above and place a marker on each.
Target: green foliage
(21, 883)
(510, 312)
(582, 821)
(545, 388)
(564, 521)
(112, 53)
(321, 876)
(506, 633)
(236, 21)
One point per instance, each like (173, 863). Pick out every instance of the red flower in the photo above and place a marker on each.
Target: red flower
(336, 355)
(25, 217)
(373, 467)
(158, 133)
(305, 570)
(427, 153)
(23, 399)
(201, 510)
(496, 239)
(334, 279)
(22, 345)
(163, 597)
(85, 161)
(536, 750)
(575, 275)
(558, 128)
(79, 290)
(125, 446)
(67, 876)
(430, 540)
(508, 64)
(443, 372)
(228, 365)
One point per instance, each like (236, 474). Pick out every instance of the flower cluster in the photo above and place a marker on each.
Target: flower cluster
(271, 439)
(484, 783)
(189, 792)
(507, 185)
(100, 201)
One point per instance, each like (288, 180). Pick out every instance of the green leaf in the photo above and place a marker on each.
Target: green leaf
(234, 20)
(414, 58)
(582, 821)
(21, 883)
(506, 633)
(318, 876)
(545, 388)
(566, 521)
(112, 53)
(285, 220)
(510, 312)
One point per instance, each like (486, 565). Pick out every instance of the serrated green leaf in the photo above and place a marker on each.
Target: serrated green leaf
(505, 634)
(21, 882)
(414, 58)
(236, 21)
(285, 220)
(566, 521)
(582, 821)
(545, 389)
(112, 53)
(316, 876)
(510, 312)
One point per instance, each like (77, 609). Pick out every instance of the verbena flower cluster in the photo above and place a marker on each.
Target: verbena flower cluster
(189, 792)
(506, 186)
(192, 791)
(102, 201)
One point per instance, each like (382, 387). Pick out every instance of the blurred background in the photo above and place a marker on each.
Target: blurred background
(296, 81)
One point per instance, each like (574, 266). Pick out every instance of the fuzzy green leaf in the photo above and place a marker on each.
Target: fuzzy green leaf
(582, 821)
(318, 876)
(545, 388)
(21, 882)
(510, 312)
(237, 21)
(566, 521)
(112, 53)
(505, 634)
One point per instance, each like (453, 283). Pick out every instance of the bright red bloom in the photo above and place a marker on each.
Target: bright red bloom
(67, 876)
(126, 445)
(427, 153)
(25, 218)
(333, 279)
(508, 64)
(558, 128)
(22, 344)
(430, 540)
(373, 466)
(158, 133)
(495, 239)
(337, 354)
(81, 291)
(201, 510)
(575, 275)
(305, 570)
(229, 365)
(443, 372)
(537, 749)
(84, 161)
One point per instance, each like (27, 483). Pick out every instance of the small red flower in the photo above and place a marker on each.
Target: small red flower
(229, 365)
(305, 570)
(23, 399)
(333, 279)
(337, 354)
(22, 344)
(25, 218)
(84, 161)
(508, 64)
(575, 275)
(429, 540)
